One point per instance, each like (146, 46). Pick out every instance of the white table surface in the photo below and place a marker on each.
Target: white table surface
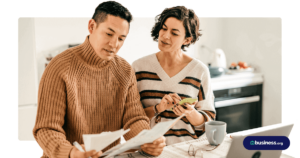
(246, 132)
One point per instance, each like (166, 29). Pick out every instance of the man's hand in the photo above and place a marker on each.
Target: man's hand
(156, 147)
(75, 153)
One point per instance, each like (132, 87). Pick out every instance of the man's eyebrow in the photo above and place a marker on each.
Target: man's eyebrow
(115, 32)
(111, 30)
(172, 29)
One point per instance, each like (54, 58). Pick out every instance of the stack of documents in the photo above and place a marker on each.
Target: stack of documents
(145, 136)
(100, 141)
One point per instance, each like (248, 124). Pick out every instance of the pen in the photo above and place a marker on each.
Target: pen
(78, 146)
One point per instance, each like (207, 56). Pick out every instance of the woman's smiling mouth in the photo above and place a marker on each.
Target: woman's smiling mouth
(164, 42)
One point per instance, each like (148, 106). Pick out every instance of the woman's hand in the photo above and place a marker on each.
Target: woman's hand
(75, 153)
(186, 109)
(168, 101)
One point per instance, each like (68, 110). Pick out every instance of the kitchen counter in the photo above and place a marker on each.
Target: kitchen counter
(242, 79)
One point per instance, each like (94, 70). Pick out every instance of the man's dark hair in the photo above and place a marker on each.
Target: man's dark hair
(186, 16)
(111, 8)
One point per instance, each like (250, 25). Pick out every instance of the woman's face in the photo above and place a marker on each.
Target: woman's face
(172, 35)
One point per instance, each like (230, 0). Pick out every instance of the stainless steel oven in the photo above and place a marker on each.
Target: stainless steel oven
(240, 108)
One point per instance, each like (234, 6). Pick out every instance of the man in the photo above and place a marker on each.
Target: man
(89, 89)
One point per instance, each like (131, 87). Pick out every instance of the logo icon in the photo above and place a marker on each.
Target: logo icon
(266, 142)
(256, 155)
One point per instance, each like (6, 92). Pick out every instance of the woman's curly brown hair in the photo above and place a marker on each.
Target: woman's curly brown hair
(186, 16)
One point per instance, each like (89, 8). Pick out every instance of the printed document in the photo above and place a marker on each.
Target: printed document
(145, 136)
(100, 141)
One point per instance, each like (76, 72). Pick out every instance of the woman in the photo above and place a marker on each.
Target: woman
(166, 77)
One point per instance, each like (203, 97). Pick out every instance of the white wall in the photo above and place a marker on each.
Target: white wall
(27, 79)
(27, 74)
(54, 34)
(139, 42)
(257, 41)
(212, 37)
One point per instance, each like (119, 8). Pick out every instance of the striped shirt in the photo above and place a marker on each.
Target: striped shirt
(193, 81)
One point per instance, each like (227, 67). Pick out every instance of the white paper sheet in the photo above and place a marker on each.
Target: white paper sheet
(145, 136)
(100, 141)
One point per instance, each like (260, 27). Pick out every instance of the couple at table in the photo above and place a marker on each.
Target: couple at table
(89, 89)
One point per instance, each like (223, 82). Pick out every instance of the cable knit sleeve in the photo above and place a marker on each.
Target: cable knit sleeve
(134, 115)
(48, 130)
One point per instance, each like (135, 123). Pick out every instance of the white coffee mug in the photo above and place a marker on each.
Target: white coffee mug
(215, 132)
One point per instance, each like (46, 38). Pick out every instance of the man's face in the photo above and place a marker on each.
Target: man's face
(108, 37)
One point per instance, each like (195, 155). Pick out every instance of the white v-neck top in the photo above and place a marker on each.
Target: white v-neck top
(193, 81)
(171, 81)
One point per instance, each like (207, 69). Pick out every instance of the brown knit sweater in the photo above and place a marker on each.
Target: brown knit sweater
(80, 93)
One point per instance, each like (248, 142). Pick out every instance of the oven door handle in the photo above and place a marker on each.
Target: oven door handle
(237, 101)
